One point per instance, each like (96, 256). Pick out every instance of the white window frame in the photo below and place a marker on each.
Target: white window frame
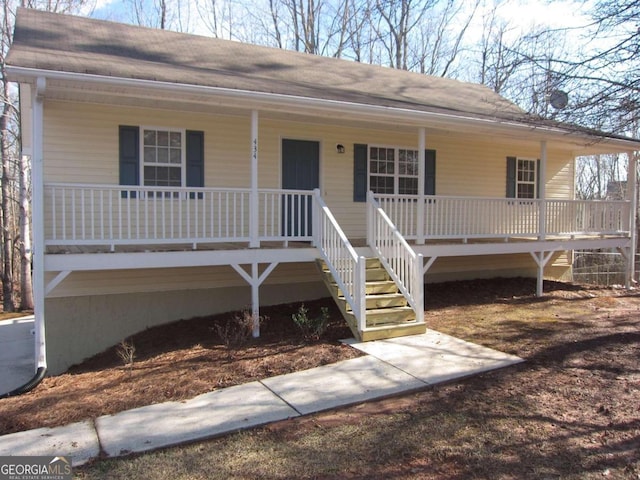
(396, 169)
(183, 155)
(533, 182)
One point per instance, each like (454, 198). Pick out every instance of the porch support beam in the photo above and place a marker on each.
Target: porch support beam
(255, 279)
(37, 213)
(632, 196)
(428, 264)
(57, 280)
(422, 144)
(542, 191)
(541, 259)
(253, 213)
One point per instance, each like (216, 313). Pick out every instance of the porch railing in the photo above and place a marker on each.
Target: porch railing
(447, 217)
(398, 258)
(346, 266)
(116, 215)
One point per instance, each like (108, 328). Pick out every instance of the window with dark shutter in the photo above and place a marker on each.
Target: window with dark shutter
(522, 178)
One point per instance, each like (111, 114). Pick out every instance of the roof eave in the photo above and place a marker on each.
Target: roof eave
(374, 113)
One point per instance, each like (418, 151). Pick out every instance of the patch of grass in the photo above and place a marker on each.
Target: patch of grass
(569, 411)
(11, 315)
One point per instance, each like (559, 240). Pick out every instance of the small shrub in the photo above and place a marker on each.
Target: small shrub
(311, 327)
(126, 350)
(237, 330)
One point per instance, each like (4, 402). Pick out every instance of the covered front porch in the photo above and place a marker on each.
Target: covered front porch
(94, 227)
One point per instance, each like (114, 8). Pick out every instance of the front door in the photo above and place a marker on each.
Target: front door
(300, 171)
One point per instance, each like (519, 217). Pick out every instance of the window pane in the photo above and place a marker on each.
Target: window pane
(373, 153)
(174, 156)
(149, 137)
(150, 175)
(176, 139)
(163, 155)
(526, 190)
(408, 186)
(391, 154)
(382, 185)
(163, 138)
(149, 155)
(408, 162)
(174, 176)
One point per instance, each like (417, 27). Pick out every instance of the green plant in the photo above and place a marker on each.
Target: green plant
(311, 327)
(237, 330)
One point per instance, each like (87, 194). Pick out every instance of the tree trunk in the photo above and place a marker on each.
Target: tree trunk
(26, 291)
(8, 302)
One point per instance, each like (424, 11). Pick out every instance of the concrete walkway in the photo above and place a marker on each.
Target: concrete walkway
(391, 367)
(17, 353)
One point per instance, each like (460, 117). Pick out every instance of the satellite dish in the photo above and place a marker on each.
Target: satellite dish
(559, 99)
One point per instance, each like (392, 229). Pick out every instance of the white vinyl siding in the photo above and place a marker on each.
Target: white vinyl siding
(81, 146)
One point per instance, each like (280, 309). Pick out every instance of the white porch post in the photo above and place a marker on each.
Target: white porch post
(632, 196)
(542, 192)
(255, 279)
(421, 173)
(253, 213)
(37, 213)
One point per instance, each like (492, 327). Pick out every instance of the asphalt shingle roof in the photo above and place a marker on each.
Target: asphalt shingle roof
(49, 41)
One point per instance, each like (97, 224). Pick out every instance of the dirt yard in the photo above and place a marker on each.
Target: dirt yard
(571, 411)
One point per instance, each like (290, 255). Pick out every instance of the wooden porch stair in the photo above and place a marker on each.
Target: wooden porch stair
(388, 314)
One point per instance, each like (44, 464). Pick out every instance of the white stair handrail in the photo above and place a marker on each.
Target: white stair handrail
(402, 263)
(344, 263)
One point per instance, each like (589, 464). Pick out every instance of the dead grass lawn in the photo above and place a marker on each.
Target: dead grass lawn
(571, 411)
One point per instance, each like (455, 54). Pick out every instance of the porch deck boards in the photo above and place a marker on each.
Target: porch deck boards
(356, 242)
(177, 247)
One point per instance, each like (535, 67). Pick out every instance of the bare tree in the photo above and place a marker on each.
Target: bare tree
(394, 21)
(15, 234)
(440, 37)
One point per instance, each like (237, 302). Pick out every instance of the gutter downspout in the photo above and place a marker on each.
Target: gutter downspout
(37, 169)
(37, 212)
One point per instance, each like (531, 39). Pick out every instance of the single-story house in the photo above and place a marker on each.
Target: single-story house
(176, 175)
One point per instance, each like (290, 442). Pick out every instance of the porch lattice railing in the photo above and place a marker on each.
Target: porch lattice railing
(346, 266)
(397, 256)
(447, 217)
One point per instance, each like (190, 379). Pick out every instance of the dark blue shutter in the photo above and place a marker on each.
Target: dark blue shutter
(511, 177)
(195, 160)
(129, 152)
(429, 172)
(360, 154)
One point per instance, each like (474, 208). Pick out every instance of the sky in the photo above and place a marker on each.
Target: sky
(525, 13)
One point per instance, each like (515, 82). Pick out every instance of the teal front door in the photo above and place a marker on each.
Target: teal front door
(300, 171)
